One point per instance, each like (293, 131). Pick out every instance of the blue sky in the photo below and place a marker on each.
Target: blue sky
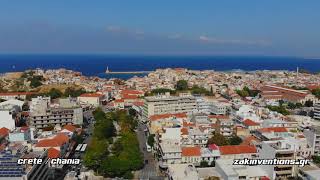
(246, 27)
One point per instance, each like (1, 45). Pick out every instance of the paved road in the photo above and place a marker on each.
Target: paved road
(149, 169)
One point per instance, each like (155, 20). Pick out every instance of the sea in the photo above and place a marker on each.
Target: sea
(96, 64)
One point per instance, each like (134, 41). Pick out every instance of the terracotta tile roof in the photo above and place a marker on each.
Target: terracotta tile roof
(273, 129)
(129, 91)
(191, 151)
(127, 96)
(237, 149)
(53, 153)
(164, 116)
(184, 131)
(4, 132)
(119, 101)
(91, 95)
(57, 141)
(69, 127)
(248, 140)
(188, 124)
(249, 122)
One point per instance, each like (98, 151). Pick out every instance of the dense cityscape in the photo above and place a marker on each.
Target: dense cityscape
(173, 123)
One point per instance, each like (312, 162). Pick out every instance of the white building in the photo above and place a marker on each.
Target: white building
(313, 138)
(228, 171)
(166, 104)
(219, 108)
(9, 116)
(316, 111)
(43, 114)
(182, 172)
(94, 99)
(279, 150)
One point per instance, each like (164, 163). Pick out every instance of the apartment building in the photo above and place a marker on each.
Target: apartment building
(316, 110)
(279, 150)
(166, 104)
(227, 170)
(42, 114)
(169, 152)
(218, 108)
(313, 138)
(225, 127)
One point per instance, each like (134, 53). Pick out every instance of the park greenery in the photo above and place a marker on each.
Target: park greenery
(316, 92)
(182, 86)
(151, 140)
(246, 92)
(118, 157)
(35, 80)
(221, 140)
(56, 93)
(280, 109)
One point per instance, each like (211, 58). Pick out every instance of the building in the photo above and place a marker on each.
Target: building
(251, 125)
(238, 151)
(169, 152)
(286, 94)
(313, 138)
(279, 150)
(182, 172)
(94, 99)
(191, 155)
(12, 170)
(9, 116)
(15, 95)
(225, 127)
(166, 104)
(218, 108)
(42, 114)
(271, 133)
(228, 171)
(316, 111)
(21, 134)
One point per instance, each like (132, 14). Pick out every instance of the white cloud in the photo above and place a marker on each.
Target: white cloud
(207, 39)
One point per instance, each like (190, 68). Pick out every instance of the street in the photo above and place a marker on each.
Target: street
(149, 170)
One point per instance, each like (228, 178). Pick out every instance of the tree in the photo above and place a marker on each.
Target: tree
(161, 91)
(200, 90)
(70, 91)
(308, 103)
(235, 140)
(218, 139)
(316, 159)
(213, 163)
(316, 92)
(204, 164)
(55, 93)
(25, 107)
(291, 105)
(280, 109)
(182, 85)
(151, 140)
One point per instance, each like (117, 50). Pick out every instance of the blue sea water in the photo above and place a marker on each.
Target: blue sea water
(95, 65)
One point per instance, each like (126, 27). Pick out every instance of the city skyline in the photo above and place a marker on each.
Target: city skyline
(191, 28)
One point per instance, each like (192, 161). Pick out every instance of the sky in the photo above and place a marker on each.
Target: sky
(206, 27)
